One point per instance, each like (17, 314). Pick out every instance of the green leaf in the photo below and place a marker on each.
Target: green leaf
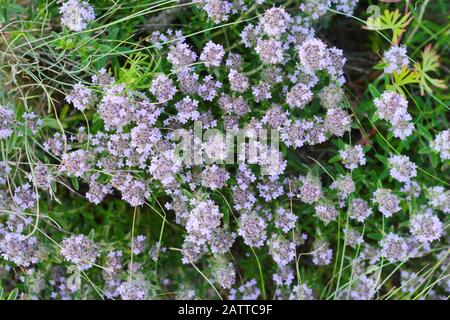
(64, 111)
(425, 150)
(52, 123)
(75, 183)
(375, 236)
(424, 132)
(390, 20)
(379, 66)
(382, 143)
(91, 234)
(373, 91)
(374, 117)
(334, 159)
(13, 294)
(434, 159)
(430, 63)
(381, 158)
(402, 79)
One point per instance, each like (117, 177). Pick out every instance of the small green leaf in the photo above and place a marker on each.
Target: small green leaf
(424, 132)
(52, 123)
(434, 159)
(375, 236)
(75, 183)
(430, 63)
(13, 294)
(334, 159)
(425, 150)
(373, 91)
(64, 111)
(91, 234)
(374, 117)
(381, 158)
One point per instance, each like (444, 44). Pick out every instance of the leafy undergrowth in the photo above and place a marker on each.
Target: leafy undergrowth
(347, 199)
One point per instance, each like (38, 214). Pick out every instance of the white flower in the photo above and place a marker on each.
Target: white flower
(76, 14)
(395, 59)
(402, 169)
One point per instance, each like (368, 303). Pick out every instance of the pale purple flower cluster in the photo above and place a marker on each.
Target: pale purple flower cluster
(314, 56)
(225, 274)
(275, 21)
(394, 248)
(221, 241)
(396, 59)
(238, 81)
(134, 289)
(249, 35)
(322, 254)
(204, 218)
(128, 152)
(247, 291)
(79, 250)
(439, 198)
(285, 219)
(261, 92)
(32, 122)
(392, 107)
(24, 196)
(426, 227)
(337, 122)
(162, 88)
(364, 288)
(344, 185)
(181, 55)
(315, 8)
(81, 97)
(75, 163)
(359, 210)
(352, 157)
(97, 190)
(441, 144)
(388, 202)
(217, 10)
(21, 250)
(76, 14)
(283, 277)
(299, 96)
(42, 176)
(115, 108)
(345, 6)
(326, 213)
(214, 177)
(331, 96)
(212, 54)
(301, 292)
(139, 244)
(310, 190)
(281, 250)
(402, 169)
(134, 191)
(7, 122)
(252, 228)
(270, 51)
(208, 89)
(353, 238)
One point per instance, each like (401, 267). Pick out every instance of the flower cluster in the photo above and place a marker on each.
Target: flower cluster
(392, 107)
(76, 14)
